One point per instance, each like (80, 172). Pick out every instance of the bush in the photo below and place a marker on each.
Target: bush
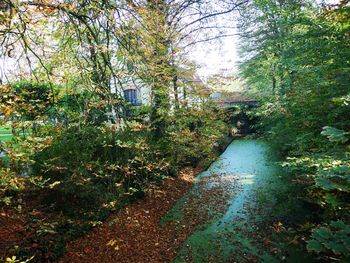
(194, 134)
(91, 166)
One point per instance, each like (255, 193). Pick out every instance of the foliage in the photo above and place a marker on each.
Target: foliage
(9, 181)
(194, 134)
(296, 60)
(14, 259)
(25, 100)
(335, 238)
(335, 135)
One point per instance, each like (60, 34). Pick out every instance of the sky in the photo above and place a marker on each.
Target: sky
(215, 57)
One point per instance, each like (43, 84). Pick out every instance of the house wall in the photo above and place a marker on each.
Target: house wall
(143, 92)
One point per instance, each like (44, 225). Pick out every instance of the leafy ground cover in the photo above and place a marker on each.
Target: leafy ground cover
(28, 223)
(134, 234)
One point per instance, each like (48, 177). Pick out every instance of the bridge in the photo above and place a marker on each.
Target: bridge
(241, 123)
(228, 100)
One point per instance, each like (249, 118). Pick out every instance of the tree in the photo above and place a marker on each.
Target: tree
(91, 44)
(297, 61)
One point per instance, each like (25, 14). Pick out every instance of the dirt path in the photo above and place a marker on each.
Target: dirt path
(134, 233)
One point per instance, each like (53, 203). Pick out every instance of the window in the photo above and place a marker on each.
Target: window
(130, 95)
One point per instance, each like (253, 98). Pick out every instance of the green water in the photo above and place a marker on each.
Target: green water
(245, 167)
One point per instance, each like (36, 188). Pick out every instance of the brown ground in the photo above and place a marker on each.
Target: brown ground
(134, 234)
(11, 229)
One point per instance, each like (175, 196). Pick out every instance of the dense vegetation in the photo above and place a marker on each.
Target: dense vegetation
(81, 140)
(297, 59)
(76, 147)
(62, 178)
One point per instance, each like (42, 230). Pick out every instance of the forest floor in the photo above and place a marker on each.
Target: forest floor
(134, 234)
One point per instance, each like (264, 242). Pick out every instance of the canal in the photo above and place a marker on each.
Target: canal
(220, 204)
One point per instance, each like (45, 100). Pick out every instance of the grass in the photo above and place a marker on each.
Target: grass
(6, 132)
(6, 138)
(6, 129)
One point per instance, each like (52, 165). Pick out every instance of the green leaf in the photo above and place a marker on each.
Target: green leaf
(331, 199)
(326, 184)
(333, 238)
(335, 135)
(335, 182)
(323, 233)
(314, 245)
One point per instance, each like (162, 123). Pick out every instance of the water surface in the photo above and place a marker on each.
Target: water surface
(244, 167)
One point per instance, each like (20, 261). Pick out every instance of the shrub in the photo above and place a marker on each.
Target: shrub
(194, 135)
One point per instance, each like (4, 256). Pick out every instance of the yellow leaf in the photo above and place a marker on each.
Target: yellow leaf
(111, 242)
